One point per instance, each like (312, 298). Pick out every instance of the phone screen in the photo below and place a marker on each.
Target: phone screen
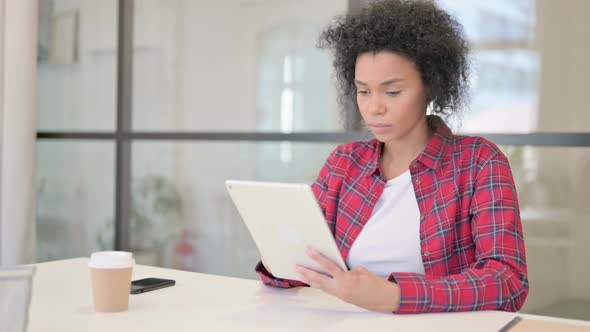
(149, 284)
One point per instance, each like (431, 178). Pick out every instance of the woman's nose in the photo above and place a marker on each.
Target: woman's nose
(375, 105)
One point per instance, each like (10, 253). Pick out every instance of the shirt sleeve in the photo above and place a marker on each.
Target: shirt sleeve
(268, 279)
(497, 280)
(320, 190)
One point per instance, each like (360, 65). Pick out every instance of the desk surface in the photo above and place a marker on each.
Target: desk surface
(62, 302)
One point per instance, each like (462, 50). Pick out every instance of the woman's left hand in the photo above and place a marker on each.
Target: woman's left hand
(358, 286)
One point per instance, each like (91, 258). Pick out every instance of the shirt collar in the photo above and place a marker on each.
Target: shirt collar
(431, 156)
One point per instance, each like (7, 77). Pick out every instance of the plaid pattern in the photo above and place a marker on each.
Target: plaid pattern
(470, 231)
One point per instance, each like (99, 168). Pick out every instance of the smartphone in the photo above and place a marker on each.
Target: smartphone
(150, 284)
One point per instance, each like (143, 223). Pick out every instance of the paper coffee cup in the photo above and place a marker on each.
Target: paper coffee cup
(111, 280)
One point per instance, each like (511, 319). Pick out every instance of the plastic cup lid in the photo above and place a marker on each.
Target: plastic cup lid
(111, 260)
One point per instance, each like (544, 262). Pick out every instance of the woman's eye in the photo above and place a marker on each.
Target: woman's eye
(362, 92)
(393, 93)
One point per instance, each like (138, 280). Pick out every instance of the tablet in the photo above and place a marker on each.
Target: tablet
(284, 219)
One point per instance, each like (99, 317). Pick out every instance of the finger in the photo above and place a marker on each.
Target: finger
(330, 267)
(313, 278)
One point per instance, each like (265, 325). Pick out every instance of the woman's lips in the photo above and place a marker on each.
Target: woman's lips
(379, 128)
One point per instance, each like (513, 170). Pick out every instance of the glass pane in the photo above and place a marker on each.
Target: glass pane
(183, 217)
(233, 66)
(553, 184)
(77, 65)
(506, 64)
(523, 68)
(75, 198)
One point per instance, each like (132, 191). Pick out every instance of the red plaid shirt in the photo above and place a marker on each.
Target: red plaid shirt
(470, 230)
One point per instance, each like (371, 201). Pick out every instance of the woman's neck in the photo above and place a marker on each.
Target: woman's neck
(397, 155)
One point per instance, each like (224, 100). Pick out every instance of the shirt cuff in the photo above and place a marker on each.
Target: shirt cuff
(415, 292)
(268, 279)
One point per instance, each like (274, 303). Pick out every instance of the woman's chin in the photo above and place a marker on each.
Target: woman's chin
(382, 137)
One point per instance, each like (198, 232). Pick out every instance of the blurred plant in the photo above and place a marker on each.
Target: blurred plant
(157, 212)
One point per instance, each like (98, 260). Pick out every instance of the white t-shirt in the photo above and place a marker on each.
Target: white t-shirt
(390, 241)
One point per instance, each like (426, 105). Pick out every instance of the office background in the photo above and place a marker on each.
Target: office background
(145, 107)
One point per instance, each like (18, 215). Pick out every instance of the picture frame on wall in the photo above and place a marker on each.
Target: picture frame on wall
(58, 35)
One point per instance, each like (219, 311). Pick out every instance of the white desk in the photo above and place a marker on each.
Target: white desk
(200, 302)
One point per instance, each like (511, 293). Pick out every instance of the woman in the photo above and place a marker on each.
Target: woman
(427, 221)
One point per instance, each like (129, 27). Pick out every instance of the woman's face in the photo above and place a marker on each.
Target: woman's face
(390, 95)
